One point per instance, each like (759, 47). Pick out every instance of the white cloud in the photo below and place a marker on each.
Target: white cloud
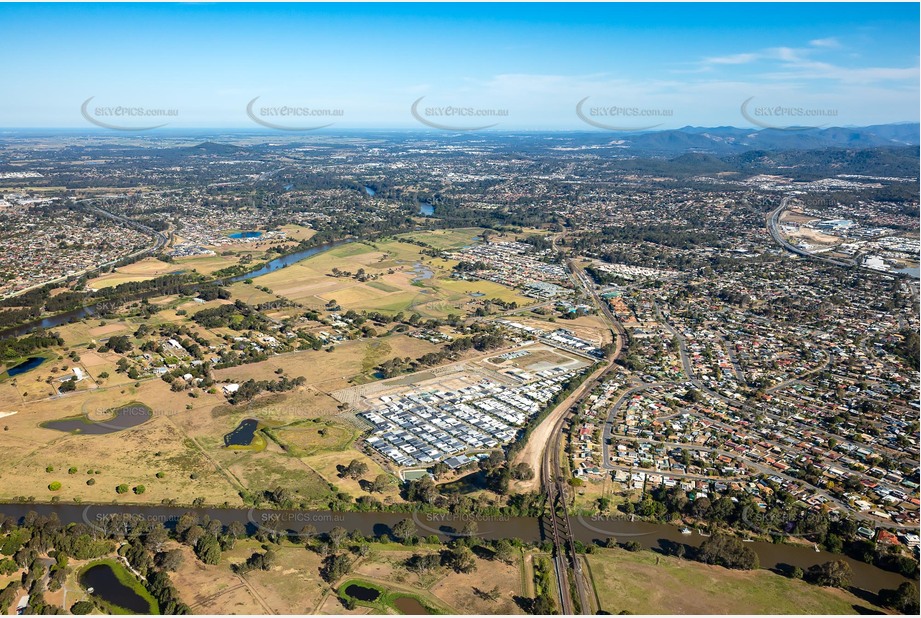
(733, 59)
(830, 43)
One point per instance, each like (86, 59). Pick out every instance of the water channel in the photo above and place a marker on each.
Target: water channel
(447, 526)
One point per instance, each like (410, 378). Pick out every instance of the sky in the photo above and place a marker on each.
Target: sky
(514, 66)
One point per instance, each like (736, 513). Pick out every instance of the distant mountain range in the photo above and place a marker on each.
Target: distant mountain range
(669, 143)
(732, 140)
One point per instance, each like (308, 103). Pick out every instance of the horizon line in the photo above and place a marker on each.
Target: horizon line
(420, 129)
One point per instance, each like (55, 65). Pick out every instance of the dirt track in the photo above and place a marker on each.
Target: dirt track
(543, 434)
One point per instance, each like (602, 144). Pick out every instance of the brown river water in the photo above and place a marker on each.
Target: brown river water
(585, 529)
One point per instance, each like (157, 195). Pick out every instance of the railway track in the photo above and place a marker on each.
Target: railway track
(559, 527)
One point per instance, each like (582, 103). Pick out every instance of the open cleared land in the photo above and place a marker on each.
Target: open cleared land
(293, 584)
(647, 583)
(215, 589)
(447, 240)
(329, 371)
(454, 591)
(404, 280)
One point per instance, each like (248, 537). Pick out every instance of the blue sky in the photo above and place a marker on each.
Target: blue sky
(690, 64)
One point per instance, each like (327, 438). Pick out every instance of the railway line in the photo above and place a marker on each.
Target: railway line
(568, 568)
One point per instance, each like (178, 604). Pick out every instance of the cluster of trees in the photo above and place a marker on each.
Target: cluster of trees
(481, 341)
(423, 493)
(727, 551)
(25, 543)
(544, 602)
(117, 343)
(23, 346)
(908, 348)
(12, 317)
(238, 316)
(354, 470)
(779, 516)
(251, 388)
(263, 561)
(467, 267)
(213, 291)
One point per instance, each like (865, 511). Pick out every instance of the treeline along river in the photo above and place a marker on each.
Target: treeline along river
(447, 526)
(90, 310)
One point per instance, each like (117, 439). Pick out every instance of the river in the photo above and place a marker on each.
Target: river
(585, 529)
(75, 315)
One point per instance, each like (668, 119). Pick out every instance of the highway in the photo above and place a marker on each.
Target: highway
(773, 221)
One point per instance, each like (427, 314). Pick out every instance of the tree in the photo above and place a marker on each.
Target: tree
(632, 546)
(208, 549)
(522, 472)
(121, 489)
(423, 563)
(139, 489)
(335, 566)
(404, 530)
(355, 470)
(308, 532)
(835, 573)
(471, 528)
(380, 483)
(504, 552)
(156, 537)
(169, 560)
(235, 530)
(461, 559)
(543, 605)
(727, 551)
(904, 599)
(82, 607)
(336, 535)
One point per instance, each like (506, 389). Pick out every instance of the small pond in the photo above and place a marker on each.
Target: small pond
(422, 273)
(245, 235)
(27, 365)
(426, 210)
(101, 578)
(362, 593)
(243, 434)
(125, 417)
(410, 606)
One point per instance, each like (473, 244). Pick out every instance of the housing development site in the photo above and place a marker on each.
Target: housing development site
(470, 408)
